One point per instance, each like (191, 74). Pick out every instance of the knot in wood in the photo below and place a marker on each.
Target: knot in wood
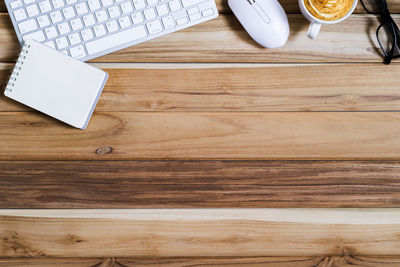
(104, 150)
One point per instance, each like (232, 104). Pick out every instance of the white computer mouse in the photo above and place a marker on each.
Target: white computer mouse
(264, 20)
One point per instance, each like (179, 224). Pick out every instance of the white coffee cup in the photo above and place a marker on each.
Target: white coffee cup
(315, 25)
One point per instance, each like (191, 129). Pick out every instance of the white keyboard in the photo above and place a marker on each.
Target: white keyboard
(86, 29)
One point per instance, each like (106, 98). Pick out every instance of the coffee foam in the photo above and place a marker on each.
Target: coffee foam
(328, 9)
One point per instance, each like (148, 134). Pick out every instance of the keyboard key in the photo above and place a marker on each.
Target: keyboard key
(43, 21)
(50, 44)
(51, 32)
(188, 3)
(27, 2)
(56, 17)
(58, 3)
(78, 52)
(32, 10)
(112, 26)
(94, 4)
(89, 20)
(126, 7)
(99, 30)
(76, 24)
(114, 12)
(168, 22)
(37, 36)
(124, 22)
(70, 2)
(87, 34)
(101, 16)
(162, 10)
(139, 4)
(107, 2)
(182, 21)
(69, 12)
(16, 4)
(195, 17)
(74, 38)
(193, 11)
(208, 12)
(174, 5)
(19, 14)
(27, 26)
(45, 6)
(62, 43)
(81, 9)
(154, 27)
(64, 28)
(152, 2)
(116, 39)
(150, 14)
(137, 18)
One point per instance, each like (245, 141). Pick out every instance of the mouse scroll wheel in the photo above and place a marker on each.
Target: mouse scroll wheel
(261, 12)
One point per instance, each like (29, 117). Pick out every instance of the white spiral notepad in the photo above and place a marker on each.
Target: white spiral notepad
(55, 84)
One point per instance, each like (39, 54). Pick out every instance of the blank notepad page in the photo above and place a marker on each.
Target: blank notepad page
(56, 84)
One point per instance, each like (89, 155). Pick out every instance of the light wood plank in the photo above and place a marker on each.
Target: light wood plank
(353, 216)
(207, 184)
(188, 233)
(290, 6)
(243, 87)
(320, 261)
(224, 40)
(246, 135)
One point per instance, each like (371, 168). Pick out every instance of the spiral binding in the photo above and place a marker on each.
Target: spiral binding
(18, 66)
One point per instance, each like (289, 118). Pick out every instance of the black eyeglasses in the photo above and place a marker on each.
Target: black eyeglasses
(387, 34)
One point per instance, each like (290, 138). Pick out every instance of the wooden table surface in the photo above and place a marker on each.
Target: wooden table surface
(206, 149)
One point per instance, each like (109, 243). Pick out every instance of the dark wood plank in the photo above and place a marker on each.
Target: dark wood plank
(234, 87)
(200, 184)
(224, 40)
(318, 261)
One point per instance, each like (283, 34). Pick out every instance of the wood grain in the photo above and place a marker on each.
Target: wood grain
(325, 261)
(194, 233)
(224, 40)
(245, 135)
(201, 184)
(126, 129)
(238, 87)
(290, 6)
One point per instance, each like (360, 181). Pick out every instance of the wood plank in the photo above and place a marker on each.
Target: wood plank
(196, 233)
(290, 6)
(243, 87)
(206, 184)
(179, 135)
(312, 261)
(224, 40)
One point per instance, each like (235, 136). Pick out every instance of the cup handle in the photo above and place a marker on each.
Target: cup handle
(313, 30)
